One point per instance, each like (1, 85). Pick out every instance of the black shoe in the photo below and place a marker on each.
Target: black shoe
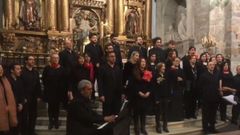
(143, 131)
(214, 131)
(205, 132)
(57, 124)
(165, 129)
(158, 129)
(234, 122)
(50, 126)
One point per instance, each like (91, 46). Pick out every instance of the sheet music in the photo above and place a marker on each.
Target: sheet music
(230, 99)
(106, 123)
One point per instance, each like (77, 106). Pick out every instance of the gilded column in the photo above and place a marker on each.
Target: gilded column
(148, 19)
(9, 16)
(120, 17)
(110, 13)
(52, 16)
(65, 15)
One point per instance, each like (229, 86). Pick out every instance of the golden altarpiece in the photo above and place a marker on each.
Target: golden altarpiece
(39, 27)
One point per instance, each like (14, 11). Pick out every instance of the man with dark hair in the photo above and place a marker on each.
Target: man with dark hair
(210, 96)
(19, 93)
(31, 84)
(157, 49)
(171, 46)
(94, 50)
(139, 47)
(110, 93)
(81, 117)
(117, 50)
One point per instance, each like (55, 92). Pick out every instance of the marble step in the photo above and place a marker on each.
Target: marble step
(181, 130)
(150, 121)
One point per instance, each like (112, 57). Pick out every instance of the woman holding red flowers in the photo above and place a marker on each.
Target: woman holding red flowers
(141, 82)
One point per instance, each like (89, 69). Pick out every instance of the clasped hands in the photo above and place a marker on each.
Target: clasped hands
(144, 95)
(110, 118)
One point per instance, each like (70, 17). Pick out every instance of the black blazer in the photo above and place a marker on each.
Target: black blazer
(95, 52)
(81, 118)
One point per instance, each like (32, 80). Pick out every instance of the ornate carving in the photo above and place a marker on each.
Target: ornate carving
(89, 3)
(8, 41)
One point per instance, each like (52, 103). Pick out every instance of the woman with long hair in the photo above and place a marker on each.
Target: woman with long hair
(226, 87)
(8, 112)
(141, 88)
(161, 96)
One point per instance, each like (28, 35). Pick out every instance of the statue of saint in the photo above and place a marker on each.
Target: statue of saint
(131, 27)
(29, 14)
(182, 27)
(172, 34)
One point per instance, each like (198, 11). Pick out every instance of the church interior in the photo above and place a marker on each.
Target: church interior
(41, 27)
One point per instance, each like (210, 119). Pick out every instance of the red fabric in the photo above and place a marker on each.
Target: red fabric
(55, 66)
(90, 67)
(147, 75)
(225, 72)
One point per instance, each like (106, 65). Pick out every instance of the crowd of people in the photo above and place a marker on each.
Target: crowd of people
(153, 82)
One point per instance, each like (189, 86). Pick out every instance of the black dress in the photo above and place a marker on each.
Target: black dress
(53, 81)
(227, 81)
(127, 80)
(79, 73)
(176, 88)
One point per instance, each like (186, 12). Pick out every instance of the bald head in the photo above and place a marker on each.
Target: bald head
(68, 44)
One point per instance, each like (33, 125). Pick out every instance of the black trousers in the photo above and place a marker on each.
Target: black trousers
(190, 104)
(29, 117)
(162, 110)
(235, 113)
(17, 130)
(53, 110)
(223, 109)
(209, 111)
(111, 107)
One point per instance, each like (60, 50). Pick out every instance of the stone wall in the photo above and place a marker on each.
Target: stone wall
(235, 34)
(1, 12)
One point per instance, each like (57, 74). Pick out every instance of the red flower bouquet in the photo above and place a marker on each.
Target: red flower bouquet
(147, 76)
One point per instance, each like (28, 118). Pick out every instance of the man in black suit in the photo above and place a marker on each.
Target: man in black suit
(94, 50)
(68, 60)
(139, 47)
(81, 117)
(32, 87)
(19, 93)
(117, 50)
(157, 49)
(110, 86)
(210, 95)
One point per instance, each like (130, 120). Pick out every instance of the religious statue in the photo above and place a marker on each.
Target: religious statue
(172, 34)
(86, 23)
(30, 14)
(182, 27)
(132, 25)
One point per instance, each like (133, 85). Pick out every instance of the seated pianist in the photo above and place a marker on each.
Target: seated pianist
(81, 117)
